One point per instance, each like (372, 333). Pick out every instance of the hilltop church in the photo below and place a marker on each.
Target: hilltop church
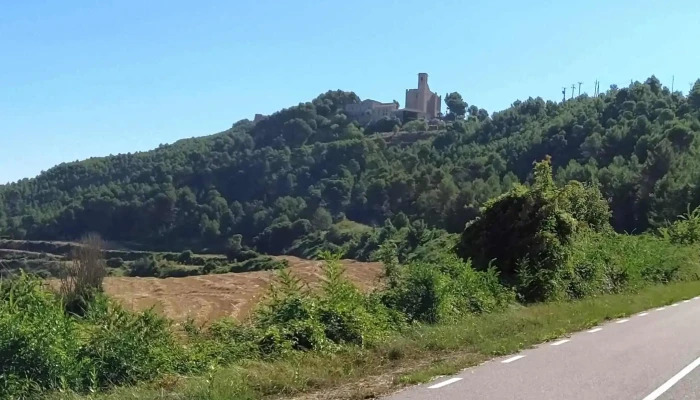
(420, 103)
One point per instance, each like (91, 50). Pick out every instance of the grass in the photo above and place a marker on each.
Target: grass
(415, 356)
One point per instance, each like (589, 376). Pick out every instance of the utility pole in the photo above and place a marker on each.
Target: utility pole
(579, 88)
(673, 80)
(573, 87)
(563, 92)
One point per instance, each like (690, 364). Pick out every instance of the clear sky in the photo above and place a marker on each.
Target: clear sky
(96, 77)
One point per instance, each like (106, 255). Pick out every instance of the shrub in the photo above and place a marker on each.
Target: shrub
(418, 125)
(260, 263)
(125, 348)
(145, 267)
(37, 341)
(685, 230)
(84, 275)
(608, 262)
(440, 291)
(300, 319)
(185, 257)
(528, 233)
(115, 262)
(43, 348)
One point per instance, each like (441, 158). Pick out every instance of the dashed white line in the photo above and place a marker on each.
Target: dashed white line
(595, 330)
(510, 360)
(644, 314)
(622, 321)
(445, 383)
(560, 342)
(669, 383)
(674, 305)
(696, 297)
(660, 308)
(686, 301)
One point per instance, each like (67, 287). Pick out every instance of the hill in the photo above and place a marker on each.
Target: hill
(293, 182)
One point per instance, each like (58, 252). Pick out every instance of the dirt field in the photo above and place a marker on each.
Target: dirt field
(208, 297)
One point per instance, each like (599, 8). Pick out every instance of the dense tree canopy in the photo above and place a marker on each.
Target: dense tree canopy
(305, 168)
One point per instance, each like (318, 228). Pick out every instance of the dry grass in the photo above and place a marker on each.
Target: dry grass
(209, 297)
(86, 271)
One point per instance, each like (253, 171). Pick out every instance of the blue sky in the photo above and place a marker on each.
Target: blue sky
(97, 77)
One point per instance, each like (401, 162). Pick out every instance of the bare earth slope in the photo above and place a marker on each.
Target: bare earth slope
(209, 297)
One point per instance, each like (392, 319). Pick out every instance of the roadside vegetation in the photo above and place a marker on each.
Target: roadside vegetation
(540, 261)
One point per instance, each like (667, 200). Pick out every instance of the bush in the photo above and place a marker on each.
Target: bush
(384, 124)
(686, 230)
(115, 262)
(260, 263)
(43, 348)
(299, 319)
(611, 263)
(126, 348)
(528, 233)
(419, 125)
(37, 341)
(185, 257)
(156, 267)
(84, 275)
(145, 267)
(437, 292)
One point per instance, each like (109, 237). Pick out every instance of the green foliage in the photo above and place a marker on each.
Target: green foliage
(685, 230)
(382, 125)
(456, 105)
(296, 318)
(637, 143)
(45, 349)
(442, 291)
(322, 219)
(116, 262)
(125, 348)
(608, 262)
(37, 341)
(537, 226)
(156, 266)
(418, 125)
(185, 257)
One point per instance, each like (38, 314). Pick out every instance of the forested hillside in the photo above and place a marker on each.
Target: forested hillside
(309, 174)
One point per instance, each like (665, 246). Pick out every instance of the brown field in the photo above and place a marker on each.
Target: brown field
(209, 297)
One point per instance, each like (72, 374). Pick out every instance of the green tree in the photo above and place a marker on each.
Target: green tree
(455, 104)
(322, 219)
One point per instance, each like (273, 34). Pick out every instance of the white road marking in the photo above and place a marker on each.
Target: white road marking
(445, 383)
(510, 360)
(686, 301)
(674, 305)
(595, 330)
(696, 297)
(660, 308)
(622, 321)
(644, 314)
(560, 342)
(669, 383)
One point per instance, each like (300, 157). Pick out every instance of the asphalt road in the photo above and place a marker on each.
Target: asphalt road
(649, 356)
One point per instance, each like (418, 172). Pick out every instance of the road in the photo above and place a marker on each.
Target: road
(652, 355)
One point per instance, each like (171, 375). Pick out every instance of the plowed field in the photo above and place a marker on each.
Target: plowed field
(209, 297)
